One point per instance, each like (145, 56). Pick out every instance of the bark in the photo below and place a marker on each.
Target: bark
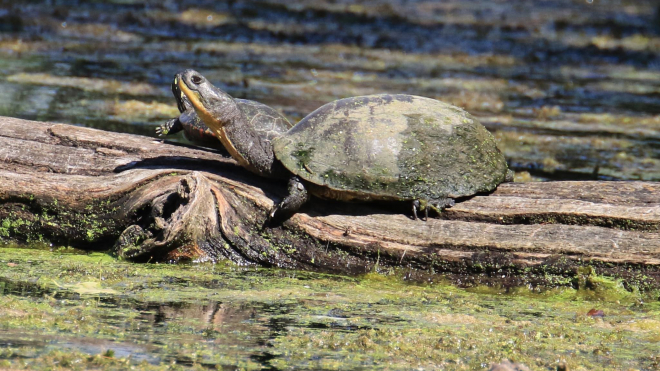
(150, 200)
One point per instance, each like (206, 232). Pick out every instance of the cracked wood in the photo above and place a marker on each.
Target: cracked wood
(148, 199)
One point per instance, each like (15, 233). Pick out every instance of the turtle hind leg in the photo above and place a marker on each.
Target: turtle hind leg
(439, 205)
(416, 205)
(297, 197)
(435, 205)
(510, 174)
(170, 127)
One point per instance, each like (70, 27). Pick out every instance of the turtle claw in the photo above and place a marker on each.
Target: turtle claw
(170, 127)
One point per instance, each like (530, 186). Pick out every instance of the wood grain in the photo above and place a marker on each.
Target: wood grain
(147, 199)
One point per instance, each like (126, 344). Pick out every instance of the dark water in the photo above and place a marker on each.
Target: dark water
(570, 88)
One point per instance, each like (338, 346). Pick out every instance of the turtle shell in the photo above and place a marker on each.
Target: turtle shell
(392, 147)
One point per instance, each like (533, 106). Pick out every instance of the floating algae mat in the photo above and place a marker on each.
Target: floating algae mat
(77, 311)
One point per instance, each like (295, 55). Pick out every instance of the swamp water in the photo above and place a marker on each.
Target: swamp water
(66, 309)
(570, 89)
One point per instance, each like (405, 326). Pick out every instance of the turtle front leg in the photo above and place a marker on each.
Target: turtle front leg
(170, 127)
(297, 196)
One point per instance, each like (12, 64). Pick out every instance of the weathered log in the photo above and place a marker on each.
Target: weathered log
(148, 199)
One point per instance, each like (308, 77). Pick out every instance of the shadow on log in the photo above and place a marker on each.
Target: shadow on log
(149, 200)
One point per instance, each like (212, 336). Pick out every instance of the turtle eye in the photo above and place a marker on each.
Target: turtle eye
(196, 79)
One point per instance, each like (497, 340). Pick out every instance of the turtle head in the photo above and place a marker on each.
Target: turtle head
(215, 107)
(222, 115)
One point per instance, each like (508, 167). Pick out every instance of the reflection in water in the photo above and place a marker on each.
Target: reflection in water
(151, 330)
(206, 332)
(94, 312)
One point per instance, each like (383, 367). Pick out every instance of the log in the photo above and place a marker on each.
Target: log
(149, 200)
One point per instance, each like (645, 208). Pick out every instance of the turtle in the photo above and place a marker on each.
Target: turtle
(383, 147)
(265, 119)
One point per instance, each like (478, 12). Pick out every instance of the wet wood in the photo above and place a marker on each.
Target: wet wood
(150, 200)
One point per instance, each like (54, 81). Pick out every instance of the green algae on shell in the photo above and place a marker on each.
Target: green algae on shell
(392, 147)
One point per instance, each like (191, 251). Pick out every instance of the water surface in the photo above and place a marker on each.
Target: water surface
(65, 309)
(570, 88)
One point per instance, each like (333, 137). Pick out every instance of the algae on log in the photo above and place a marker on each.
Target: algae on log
(152, 200)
